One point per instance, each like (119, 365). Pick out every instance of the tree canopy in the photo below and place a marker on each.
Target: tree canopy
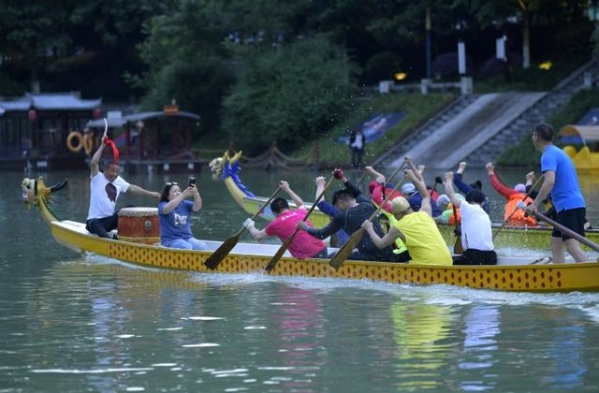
(266, 70)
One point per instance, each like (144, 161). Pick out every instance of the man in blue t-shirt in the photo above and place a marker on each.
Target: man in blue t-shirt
(561, 181)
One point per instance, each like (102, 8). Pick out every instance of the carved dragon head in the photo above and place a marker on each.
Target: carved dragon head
(221, 167)
(34, 189)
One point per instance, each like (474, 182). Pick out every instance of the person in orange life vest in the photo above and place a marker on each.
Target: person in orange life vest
(303, 245)
(477, 235)
(512, 214)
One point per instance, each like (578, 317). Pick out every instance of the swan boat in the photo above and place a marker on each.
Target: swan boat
(226, 169)
(511, 274)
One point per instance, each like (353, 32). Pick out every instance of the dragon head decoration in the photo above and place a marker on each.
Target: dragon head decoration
(34, 189)
(224, 166)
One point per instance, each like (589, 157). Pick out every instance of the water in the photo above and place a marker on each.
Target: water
(73, 323)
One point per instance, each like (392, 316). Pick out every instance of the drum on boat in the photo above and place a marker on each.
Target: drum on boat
(139, 225)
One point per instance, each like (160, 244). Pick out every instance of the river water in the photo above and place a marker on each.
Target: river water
(73, 323)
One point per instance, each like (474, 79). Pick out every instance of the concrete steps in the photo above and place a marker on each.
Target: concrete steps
(478, 128)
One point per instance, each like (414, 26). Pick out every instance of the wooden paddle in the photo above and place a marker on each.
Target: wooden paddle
(457, 246)
(516, 209)
(567, 231)
(221, 252)
(275, 259)
(355, 238)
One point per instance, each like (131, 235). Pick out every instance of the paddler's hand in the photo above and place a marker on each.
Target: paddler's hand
(320, 181)
(284, 185)
(248, 223)
(338, 174)
(367, 225)
(530, 209)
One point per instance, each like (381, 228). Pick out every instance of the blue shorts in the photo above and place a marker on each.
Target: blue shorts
(572, 219)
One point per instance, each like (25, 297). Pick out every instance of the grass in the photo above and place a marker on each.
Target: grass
(417, 108)
(523, 155)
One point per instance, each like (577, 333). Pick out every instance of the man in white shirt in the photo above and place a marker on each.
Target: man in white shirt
(105, 189)
(477, 234)
(357, 141)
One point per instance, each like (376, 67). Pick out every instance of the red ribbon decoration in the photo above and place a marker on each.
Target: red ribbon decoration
(115, 150)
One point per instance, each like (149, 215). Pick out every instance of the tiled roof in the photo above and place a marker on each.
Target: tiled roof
(50, 101)
(135, 117)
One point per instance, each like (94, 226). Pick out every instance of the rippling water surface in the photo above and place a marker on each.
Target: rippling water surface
(73, 323)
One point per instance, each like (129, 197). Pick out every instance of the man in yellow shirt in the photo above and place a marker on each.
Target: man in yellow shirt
(418, 230)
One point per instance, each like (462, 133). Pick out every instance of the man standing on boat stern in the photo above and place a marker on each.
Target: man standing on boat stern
(105, 189)
(561, 181)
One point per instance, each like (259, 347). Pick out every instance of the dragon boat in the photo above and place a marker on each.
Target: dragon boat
(226, 169)
(138, 245)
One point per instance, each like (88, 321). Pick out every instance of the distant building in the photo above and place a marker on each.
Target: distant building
(34, 130)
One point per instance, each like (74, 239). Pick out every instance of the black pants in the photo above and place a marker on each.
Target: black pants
(476, 257)
(101, 226)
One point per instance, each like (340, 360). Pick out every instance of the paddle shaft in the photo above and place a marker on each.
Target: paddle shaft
(279, 254)
(220, 253)
(567, 231)
(355, 238)
(457, 247)
(516, 209)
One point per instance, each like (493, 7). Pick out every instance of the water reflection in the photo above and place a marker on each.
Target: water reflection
(422, 333)
(479, 347)
(299, 324)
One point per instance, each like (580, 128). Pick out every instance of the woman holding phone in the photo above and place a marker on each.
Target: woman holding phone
(174, 212)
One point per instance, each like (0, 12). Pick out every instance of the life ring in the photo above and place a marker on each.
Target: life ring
(88, 143)
(75, 136)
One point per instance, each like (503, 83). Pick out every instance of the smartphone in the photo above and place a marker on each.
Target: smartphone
(192, 180)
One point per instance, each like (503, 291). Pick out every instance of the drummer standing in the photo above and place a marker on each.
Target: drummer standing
(105, 189)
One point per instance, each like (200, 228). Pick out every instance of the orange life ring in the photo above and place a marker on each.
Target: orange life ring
(88, 143)
(74, 135)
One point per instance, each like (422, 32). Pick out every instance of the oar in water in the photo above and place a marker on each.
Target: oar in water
(279, 254)
(516, 209)
(567, 231)
(221, 252)
(345, 250)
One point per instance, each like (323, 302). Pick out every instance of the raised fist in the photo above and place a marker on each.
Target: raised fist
(338, 173)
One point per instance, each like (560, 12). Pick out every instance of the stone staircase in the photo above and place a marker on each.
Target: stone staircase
(426, 130)
(501, 139)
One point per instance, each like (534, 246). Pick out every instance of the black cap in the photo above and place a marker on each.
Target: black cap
(475, 196)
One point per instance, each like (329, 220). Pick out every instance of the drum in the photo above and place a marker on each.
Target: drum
(139, 225)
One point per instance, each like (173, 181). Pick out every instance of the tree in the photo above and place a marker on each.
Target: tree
(289, 95)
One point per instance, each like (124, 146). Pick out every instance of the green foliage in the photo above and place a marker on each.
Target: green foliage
(524, 154)
(381, 66)
(288, 95)
(417, 107)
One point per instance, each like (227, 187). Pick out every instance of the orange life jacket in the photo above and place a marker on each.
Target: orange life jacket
(518, 218)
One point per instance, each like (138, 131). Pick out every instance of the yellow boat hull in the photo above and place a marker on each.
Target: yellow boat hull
(510, 275)
(247, 258)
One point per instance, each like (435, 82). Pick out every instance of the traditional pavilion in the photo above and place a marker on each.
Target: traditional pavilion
(34, 130)
(157, 141)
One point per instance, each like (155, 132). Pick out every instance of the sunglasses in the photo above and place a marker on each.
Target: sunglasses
(172, 183)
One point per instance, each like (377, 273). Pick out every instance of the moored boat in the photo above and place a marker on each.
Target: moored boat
(512, 274)
(226, 168)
